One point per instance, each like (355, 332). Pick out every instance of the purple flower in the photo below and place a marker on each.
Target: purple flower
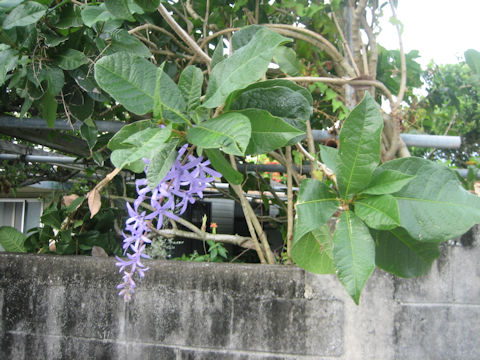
(186, 180)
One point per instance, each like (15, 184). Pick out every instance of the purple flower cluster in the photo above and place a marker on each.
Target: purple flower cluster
(186, 180)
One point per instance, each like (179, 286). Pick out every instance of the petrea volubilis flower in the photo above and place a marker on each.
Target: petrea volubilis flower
(186, 181)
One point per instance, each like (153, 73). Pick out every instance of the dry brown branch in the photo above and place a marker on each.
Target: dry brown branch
(288, 156)
(182, 34)
(149, 26)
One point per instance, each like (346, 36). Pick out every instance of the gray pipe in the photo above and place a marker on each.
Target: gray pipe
(40, 158)
(435, 141)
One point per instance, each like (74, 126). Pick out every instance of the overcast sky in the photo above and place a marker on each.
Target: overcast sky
(440, 29)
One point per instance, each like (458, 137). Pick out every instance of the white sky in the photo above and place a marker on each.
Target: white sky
(440, 29)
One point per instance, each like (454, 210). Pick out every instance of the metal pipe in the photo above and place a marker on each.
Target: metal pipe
(60, 124)
(419, 140)
(40, 158)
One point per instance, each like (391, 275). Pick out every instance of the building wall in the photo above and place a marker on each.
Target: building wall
(67, 308)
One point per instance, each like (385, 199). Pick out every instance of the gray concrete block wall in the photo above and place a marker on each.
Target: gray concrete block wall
(67, 308)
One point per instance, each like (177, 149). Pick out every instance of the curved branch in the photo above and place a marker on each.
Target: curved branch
(403, 63)
(149, 26)
(343, 81)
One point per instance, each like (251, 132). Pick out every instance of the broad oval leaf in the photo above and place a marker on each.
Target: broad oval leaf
(244, 67)
(229, 131)
(353, 253)
(314, 251)
(148, 144)
(316, 204)
(71, 59)
(328, 155)
(433, 206)
(379, 212)
(398, 253)
(93, 14)
(387, 182)
(168, 98)
(25, 14)
(117, 141)
(220, 164)
(161, 163)
(148, 5)
(119, 9)
(129, 79)
(190, 85)
(359, 149)
(12, 240)
(287, 60)
(268, 132)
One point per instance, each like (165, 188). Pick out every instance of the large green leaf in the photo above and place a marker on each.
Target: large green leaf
(387, 182)
(218, 56)
(8, 61)
(379, 212)
(220, 164)
(268, 132)
(359, 149)
(190, 85)
(54, 77)
(230, 131)
(148, 143)
(49, 108)
(353, 253)
(119, 8)
(25, 14)
(148, 5)
(129, 79)
(117, 141)
(71, 59)
(244, 67)
(314, 251)
(161, 163)
(329, 157)
(287, 60)
(12, 240)
(123, 41)
(400, 254)
(316, 204)
(433, 206)
(242, 37)
(169, 97)
(93, 14)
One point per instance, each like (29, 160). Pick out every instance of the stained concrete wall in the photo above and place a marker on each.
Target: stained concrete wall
(68, 308)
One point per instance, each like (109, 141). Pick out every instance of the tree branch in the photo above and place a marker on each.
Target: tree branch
(403, 63)
(288, 155)
(182, 34)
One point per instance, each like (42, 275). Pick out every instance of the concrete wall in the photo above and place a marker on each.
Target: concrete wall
(67, 308)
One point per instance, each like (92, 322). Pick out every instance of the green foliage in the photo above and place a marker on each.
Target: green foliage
(12, 240)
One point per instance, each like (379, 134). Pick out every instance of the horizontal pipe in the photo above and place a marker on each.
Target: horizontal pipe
(419, 140)
(40, 158)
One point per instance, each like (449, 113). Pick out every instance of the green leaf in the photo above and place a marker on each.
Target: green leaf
(139, 138)
(316, 204)
(268, 132)
(379, 212)
(148, 5)
(49, 109)
(220, 164)
(117, 141)
(25, 14)
(69, 18)
(169, 96)
(89, 133)
(398, 253)
(119, 9)
(51, 217)
(93, 14)
(54, 77)
(8, 61)
(12, 240)
(147, 145)
(229, 131)
(329, 155)
(353, 253)
(242, 37)
(244, 67)
(278, 100)
(71, 59)
(190, 85)
(314, 251)
(433, 206)
(287, 60)
(359, 149)
(472, 58)
(387, 182)
(75, 204)
(161, 163)
(217, 56)
(123, 41)
(129, 79)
